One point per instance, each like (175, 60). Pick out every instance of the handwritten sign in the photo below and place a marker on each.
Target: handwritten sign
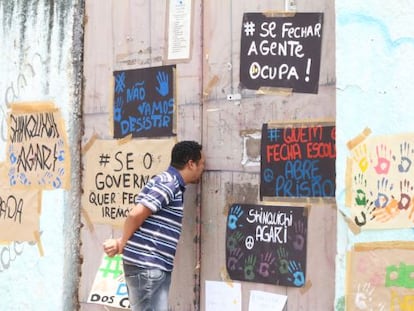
(115, 173)
(282, 52)
(19, 214)
(144, 102)
(109, 287)
(267, 244)
(380, 184)
(37, 152)
(380, 276)
(298, 161)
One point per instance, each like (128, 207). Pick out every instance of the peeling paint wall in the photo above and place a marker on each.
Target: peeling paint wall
(41, 60)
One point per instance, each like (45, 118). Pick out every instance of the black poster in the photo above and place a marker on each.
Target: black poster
(298, 161)
(281, 52)
(267, 244)
(144, 102)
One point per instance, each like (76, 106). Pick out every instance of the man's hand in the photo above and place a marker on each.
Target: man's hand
(112, 247)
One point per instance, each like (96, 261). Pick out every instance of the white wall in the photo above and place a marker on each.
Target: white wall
(375, 48)
(38, 47)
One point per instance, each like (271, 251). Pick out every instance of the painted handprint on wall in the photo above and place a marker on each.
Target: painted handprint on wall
(249, 267)
(365, 215)
(360, 184)
(363, 296)
(297, 275)
(283, 260)
(406, 156)
(360, 156)
(299, 237)
(383, 159)
(234, 216)
(234, 240)
(266, 264)
(233, 261)
(406, 193)
(163, 86)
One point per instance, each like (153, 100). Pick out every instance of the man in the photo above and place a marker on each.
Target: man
(153, 227)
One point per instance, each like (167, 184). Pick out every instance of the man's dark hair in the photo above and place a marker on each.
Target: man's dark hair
(185, 151)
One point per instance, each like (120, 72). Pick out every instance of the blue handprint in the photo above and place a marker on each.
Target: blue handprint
(235, 213)
(162, 79)
(295, 270)
(405, 162)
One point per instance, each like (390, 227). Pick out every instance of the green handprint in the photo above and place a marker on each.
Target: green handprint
(250, 262)
(283, 260)
(234, 240)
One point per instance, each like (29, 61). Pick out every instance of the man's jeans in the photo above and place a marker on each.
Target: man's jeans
(147, 288)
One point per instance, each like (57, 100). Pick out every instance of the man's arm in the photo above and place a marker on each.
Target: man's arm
(136, 216)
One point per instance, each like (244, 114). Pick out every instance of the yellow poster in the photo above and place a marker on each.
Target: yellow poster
(380, 277)
(37, 150)
(380, 182)
(116, 171)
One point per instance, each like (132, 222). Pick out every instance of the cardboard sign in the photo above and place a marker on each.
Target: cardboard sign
(267, 244)
(380, 172)
(37, 149)
(144, 102)
(380, 276)
(281, 51)
(115, 173)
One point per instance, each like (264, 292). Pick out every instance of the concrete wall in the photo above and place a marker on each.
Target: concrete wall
(375, 43)
(41, 54)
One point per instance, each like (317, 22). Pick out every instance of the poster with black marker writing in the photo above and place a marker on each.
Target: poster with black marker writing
(144, 102)
(267, 244)
(298, 161)
(281, 51)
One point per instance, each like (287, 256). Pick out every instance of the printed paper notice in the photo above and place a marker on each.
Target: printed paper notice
(179, 29)
(262, 301)
(223, 296)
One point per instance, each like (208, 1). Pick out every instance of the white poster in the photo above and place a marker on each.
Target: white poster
(263, 301)
(223, 296)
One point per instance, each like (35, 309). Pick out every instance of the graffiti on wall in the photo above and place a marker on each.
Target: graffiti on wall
(16, 88)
